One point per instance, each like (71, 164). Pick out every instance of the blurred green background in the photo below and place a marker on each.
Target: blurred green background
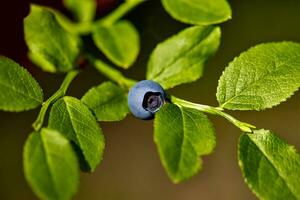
(131, 168)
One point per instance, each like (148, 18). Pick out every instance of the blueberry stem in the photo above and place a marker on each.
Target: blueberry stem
(111, 73)
(38, 123)
(245, 127)
(127, 83)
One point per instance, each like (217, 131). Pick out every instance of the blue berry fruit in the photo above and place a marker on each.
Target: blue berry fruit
(145, 98)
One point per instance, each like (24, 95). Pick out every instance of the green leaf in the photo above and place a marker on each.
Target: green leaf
(50, 165)
(70, 26)
(260, 78)
(51, 47)
(182, 135)
(73, 119)
(107, 101)
(119, 42)
(83, 10)
(19, 91)
(180, 59)
(270, 166)
(200, 12)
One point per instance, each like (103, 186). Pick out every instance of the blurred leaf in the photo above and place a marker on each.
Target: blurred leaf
(51, 47)
(50, 165)
(107, 101)
(260, 78)
(119, 42)
(73, 119)
(19, 91)
(270, 166)
(180, 59)
(69, 25)
(83, 10)
(200, 12)
(182, 135)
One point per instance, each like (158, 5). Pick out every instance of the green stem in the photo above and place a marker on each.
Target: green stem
(37, 125)
(245, 127)
(86, 28)
(120, 12)
(81, 28)
(111, 73)
(124, 82)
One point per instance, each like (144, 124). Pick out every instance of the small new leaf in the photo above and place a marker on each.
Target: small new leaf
(270, 166)
(84, 11)
(19, 91)
(50, 46)
(119, 42)
(260, 78)
(50, 165)
(73, 119)
(198, 12)
(180, 59)
(182, 135)
(107, 101)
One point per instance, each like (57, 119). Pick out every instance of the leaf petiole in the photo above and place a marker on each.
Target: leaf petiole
(111, 73)
(245, 127)
(38, 123)
(86, 28)
(119, 12)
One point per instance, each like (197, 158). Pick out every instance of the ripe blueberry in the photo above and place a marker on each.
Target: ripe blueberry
(145, 98)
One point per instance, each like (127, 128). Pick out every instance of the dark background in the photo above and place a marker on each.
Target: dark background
(131, 168)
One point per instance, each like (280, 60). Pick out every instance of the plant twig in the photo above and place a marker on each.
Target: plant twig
(38, 123)
(111, 73)
(119, 12)
(86, 28)
(124, 82)
(245, 127)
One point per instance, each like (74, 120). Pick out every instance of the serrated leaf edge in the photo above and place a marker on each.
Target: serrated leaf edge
(242, 167)
(40, 101)
(94, 114)
(92, 168)
(255, 109)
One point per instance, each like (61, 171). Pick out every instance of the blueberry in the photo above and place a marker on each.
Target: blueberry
(145, 98)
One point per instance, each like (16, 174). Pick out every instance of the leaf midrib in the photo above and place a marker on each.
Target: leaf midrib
(272, 164)
(117, 56)
(110, 101)
(71, 121)
(117, 95)
(58, 47)
(258, 80)
(184, 139)
(48, 165)
(19, 92)
(208, 31)
(76, 135)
